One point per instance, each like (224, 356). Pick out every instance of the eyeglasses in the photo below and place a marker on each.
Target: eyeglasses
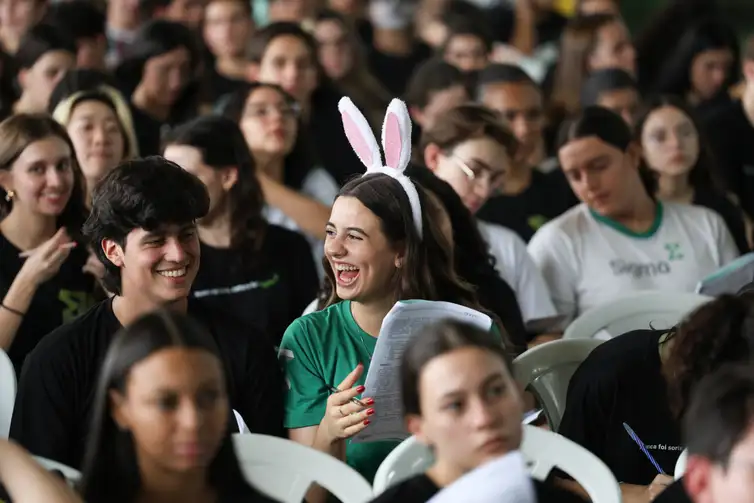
(263, 110)
(494, 178)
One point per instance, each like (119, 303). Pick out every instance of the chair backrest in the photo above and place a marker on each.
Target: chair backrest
(730, 278)
(311, 307)
(543, 450)
(7, 393)
(680, 465)
(547, 369)
(641, 310)
(71, 476)
(284, 470)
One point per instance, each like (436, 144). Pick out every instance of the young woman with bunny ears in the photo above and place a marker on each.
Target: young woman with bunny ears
(384, 243)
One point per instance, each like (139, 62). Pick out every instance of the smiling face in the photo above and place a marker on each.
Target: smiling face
(158, 265)
(471, 409)
(176, 407)
(41, 177)
(362, 259)
(96, 134)
(670, 141)
(475, 169)
(602, 176)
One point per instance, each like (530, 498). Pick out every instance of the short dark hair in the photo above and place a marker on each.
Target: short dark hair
(41, 39)
(80, 19)
(504, 73)
(603, 81)
(430, 77)
(262, 38)
(720, 414)
(80, 79)
(141, 194)
(436, 340)
(459, 26)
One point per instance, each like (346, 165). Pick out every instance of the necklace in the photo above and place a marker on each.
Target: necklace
(364, 346)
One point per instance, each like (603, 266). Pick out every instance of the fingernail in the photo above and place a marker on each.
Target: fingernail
(370, 412)
(369, 401)
(360, 389)
(366, 422)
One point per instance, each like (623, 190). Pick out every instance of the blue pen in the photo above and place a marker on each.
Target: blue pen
(643, 448)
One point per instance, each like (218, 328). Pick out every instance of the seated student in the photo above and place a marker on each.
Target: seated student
(717, 431)
(42, 281)
(43, 57)
(474, 260)
(459, 398)
(261, 273)
(674, 147)
(644, 379)
(25, 481)
(620, 239)
(384, 244)
(472, 150)
(85, 23)
(160, 419)
(435, 86)
(143, 228)
(529, 197)
(614, 89)
(467, 45)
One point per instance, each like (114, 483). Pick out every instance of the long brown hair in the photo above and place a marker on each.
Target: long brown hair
(17, 132)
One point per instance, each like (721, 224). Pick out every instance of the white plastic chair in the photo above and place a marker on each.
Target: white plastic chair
(71, 476)
(284, 470)
(7, 393)
(641, 310)
(547, 370)
(311, 307)
(242, 428)
(543, 450)
(680, 465)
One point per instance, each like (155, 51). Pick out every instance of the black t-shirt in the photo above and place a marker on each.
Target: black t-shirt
(56, 393)
(269, 293)
(59, 300)
(219, 85)
(547, 196)
(732, 214)
(148, 132)
(675, 493)
(621, 382)
(394, 71)
(421, 488)
(731, 135)
(503, 23)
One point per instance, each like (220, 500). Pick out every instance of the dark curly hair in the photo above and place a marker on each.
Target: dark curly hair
(719, 332)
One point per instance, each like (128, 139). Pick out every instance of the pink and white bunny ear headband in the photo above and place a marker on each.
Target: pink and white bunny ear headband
(396, 142)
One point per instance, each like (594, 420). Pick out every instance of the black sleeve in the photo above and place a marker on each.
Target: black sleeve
(548, 492)
(44, 420)
(261, 391)
(675, 493)
(587, 410)
(305, 273)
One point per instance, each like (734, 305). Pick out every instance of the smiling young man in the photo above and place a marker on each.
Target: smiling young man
(142, 228)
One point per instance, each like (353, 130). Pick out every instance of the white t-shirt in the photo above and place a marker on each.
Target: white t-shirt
(516, 267)
(320, 186)
(587, 259)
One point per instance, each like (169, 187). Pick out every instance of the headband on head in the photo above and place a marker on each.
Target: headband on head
(396, 142)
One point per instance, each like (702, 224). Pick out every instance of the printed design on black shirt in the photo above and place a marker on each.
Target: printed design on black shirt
(536, 221)
(664, 447)
(245, 287)
(674, 251)
(76, 303)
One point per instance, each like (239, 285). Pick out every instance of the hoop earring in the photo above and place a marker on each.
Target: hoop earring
(9, 195)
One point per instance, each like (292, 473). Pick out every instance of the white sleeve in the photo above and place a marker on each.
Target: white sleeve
(320, 185)
(552, 251)
(531, 290)
(726, 247)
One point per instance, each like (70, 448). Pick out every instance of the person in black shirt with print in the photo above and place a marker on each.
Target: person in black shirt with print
(644, 379)
(161, 416)
(261, 273)
(529, 198)
(459, 396)
(42, 281)
(718, 433)
(142, 227)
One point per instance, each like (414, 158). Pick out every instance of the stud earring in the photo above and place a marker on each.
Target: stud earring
(9, 195)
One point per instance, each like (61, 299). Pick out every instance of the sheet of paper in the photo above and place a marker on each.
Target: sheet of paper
(502, 480)
(382, 383)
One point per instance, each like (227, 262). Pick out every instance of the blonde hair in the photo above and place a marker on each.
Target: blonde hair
(64, 110)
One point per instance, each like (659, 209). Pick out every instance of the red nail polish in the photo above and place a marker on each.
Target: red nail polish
(360, 389)
(366, 422)
(370, 412)
(369, 401)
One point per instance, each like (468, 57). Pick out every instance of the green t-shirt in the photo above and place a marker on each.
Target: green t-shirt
(318, 351)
